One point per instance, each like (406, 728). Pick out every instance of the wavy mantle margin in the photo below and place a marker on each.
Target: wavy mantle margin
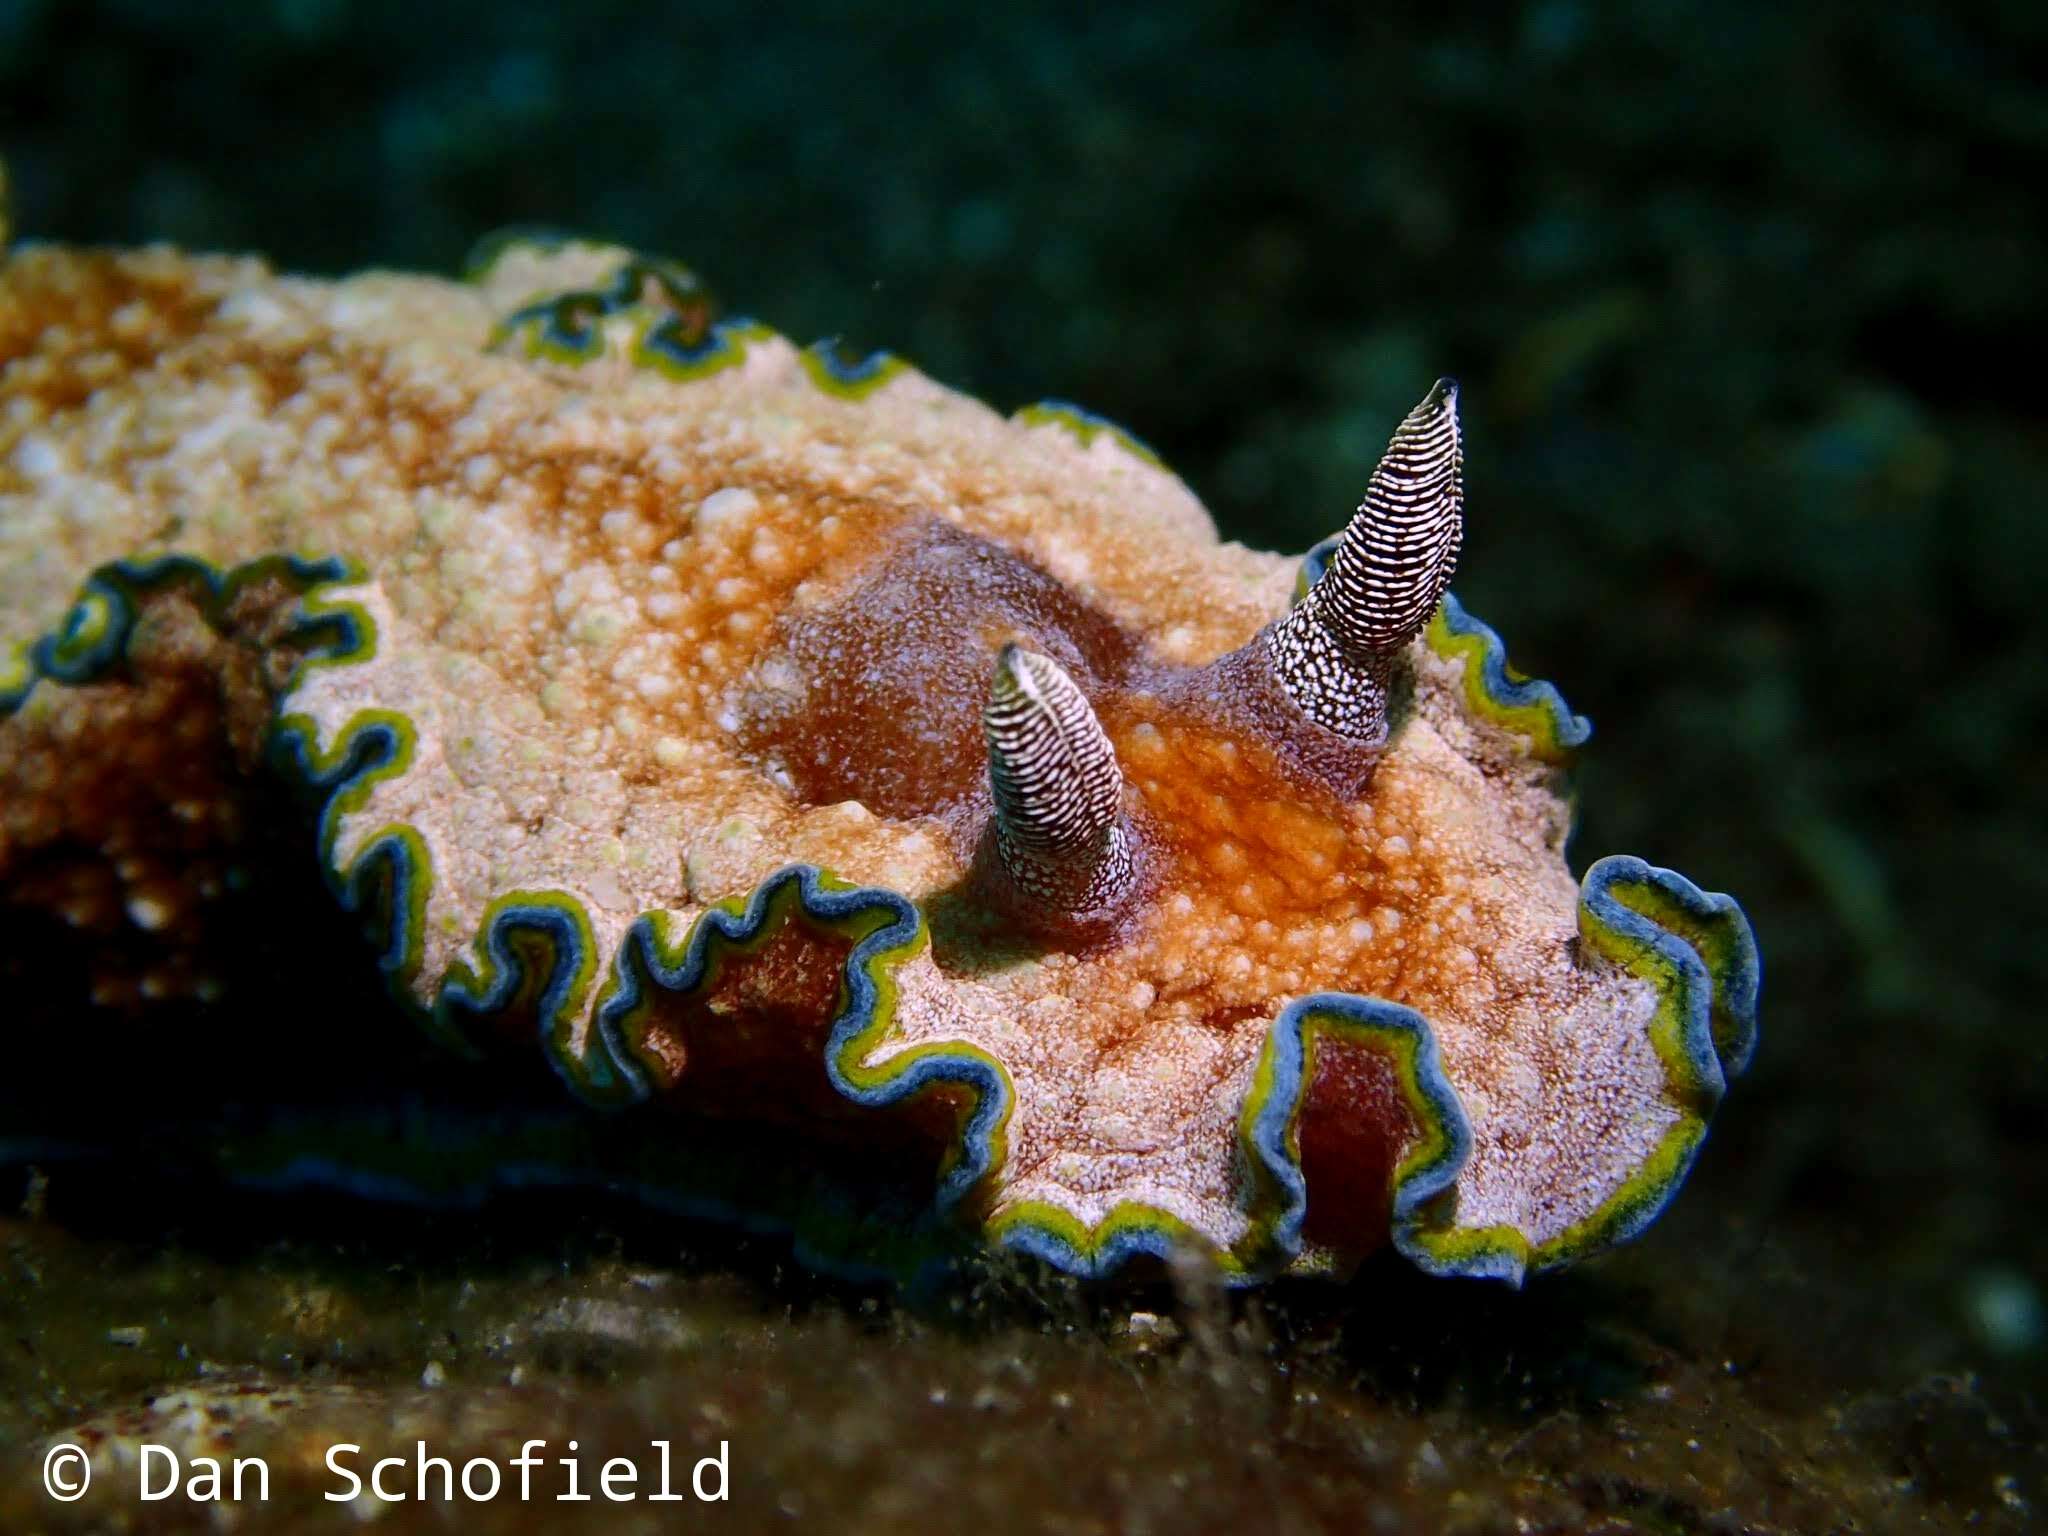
(681, 338)
(886, 930)
(1085, 427)
(1695, 948)
(92, 638)
(536, 958)
(569, 326)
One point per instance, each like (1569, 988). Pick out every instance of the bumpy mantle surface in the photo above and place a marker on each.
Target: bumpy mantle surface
(641, 664)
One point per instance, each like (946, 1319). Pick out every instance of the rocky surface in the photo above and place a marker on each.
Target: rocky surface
(1614, 1401)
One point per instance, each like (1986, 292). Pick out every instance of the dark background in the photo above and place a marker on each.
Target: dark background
(1747, 303)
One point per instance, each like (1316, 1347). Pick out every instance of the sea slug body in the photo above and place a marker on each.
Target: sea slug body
(769, 738)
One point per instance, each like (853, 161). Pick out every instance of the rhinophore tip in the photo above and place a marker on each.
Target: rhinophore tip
(1334, 651)
(1059, 822)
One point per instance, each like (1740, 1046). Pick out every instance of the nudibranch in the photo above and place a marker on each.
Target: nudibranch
(775, 738)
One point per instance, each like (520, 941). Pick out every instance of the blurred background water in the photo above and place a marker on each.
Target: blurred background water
(1747, 302)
